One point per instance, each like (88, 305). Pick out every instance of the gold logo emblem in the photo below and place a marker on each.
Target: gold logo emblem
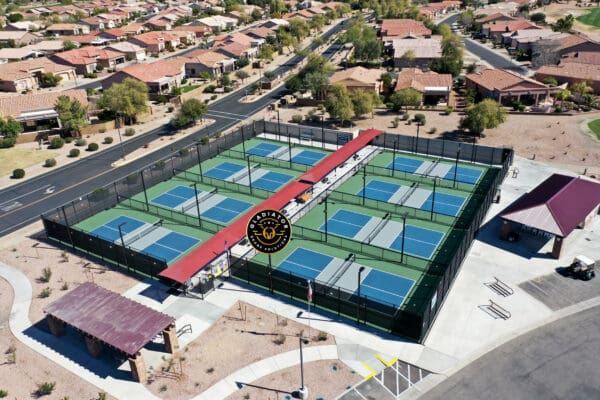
(269, 231)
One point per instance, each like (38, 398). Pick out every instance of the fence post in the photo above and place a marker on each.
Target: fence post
(68, 228)
(291, 287)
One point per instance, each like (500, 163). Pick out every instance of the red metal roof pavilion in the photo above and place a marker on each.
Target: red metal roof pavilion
(201, 256)
(119, 322)
(557, 206)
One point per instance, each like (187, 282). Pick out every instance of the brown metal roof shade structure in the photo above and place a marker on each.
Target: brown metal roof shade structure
(116, 321)
(557, 206)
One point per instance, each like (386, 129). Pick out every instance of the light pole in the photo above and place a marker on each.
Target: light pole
(433, 196)
(403, 235)
(123, 243)
(118, 123)
(360, 271)
(323, 131)
(199, 162)
(456, 165)
(278, 126)
(195, 185)
(325, 211)
(303, 391)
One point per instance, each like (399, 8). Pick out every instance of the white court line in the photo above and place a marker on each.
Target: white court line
(301, 265)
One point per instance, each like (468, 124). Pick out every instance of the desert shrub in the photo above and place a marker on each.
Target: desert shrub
(108, 140)
(74, 153)
(99, 194)
(213, 97)
(171, 109)
(184, 152)
(92, 147)
(210, 89)
(129, 132)
(45, 388)
(46, 275)
(64, 286)
(50, 162)
(218, 134)
(280, 339)
(3, 394)
(5, 143)
(521, 107)
(432, 131)
(297, 118)
(80, 142)
(162, 99)
(45, 293)
(18, 173)
(69, 139)
(322, 336)
(159, 164)
(449, 110)
(405, 117)
(395, 122)
(57, 143)
(227, 89)
(204, 140)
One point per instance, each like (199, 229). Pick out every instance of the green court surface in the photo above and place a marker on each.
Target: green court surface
(591, 18)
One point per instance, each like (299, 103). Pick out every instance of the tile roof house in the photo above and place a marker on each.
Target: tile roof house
(506, 87)
(198, 30)
(204, 60)
(403, 28)
(131, 51)
(96, 23)
(495, 30)
(115, 34)
(436, 88)
(275, 23)
(523, 39)
(135, 28)
(27, 26)
(550, 51)
(217, 22)
(67, 29)
(358, 78)
(25, 75)
(436, 9)
(160, 76)
(36, 111)
(155, 42)
(236, 50)
(18, 54)
(48, 47)
(86, 58)
(185, 37)
(18, 38)
(558, 206)
(573, 72)
(260, 33)
(158, 25)
(495, 17)
(425, 51)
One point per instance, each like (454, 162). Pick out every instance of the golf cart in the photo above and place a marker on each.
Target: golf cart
(582, 267)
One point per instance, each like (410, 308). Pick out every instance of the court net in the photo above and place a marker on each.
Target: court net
(201, 198)
(431, 167)
(280, 152)
(379, 227)
(341, 270)
(245, 174)
(146, 231)
(408, 193)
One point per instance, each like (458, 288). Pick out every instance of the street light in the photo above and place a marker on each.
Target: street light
(278, 127)
(199, 162)
(360, 271)
(123, 243)
(118, 123)
(456, 165)
(323, 131)
(195, 185)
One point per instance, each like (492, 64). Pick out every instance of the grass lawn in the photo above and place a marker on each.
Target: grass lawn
(189, 88)
(595, 127)
(17, 158)
(591, 18)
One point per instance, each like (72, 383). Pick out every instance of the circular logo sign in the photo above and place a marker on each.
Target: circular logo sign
(269, 231)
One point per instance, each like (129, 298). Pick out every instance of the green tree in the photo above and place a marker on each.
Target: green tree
(317, 83)
(242, 62)
(338, 103)
(294, 83)
(69, 45)
(451, 61)
(407, 97)
(266, 52)
(286, 39)
(538, 17)
(190, 112)
(363, 102)
(386, 79)
(487, 114)
(419, 119)
(129, 98)
(72, 114)
(564, 24)
(550, 80)
(298, 28)
(50, 80)
(225, 80)
(563, 95)
(10, 128)
(15, 18)
(242, 75)
(317, 22)
(581, 88)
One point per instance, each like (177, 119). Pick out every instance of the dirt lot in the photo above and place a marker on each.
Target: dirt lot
(557, 140)
(21, 379)
(324, 380)
(245, 334)
(555, 11)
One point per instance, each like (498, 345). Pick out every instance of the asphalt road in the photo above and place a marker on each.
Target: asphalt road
(23, 203)
(557, 361)
(485, 53)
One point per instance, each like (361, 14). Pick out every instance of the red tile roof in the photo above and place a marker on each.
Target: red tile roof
(23, 69)
(153, 72)
(509, 26)
(14, 106)
(155, 37)
(572, 70)
(502, 79)
(558, 205)
(88, 55)
(403, 28)
(495, 17)
(419, 80)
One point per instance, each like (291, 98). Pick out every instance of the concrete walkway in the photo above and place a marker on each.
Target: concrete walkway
(267, 366)
(20, 324)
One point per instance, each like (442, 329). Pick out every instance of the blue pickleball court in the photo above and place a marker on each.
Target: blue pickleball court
(224, 170)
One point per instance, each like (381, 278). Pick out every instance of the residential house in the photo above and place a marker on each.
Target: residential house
(435, 88)
(198, 30)
(160, 77)
(27, 26)
(95, 23)
(551, 51)
(37, 111)
(436, 9)
(358, 78)
(217, 23)
(187, 38)
(236, 50)
(496, 17)
(238, 37)
(91, 39)
(507, 87)
(67, 29)
(135, 28)
(155, 42)
(571, 72)
(403, 28)
(17, 38)
(523, 39)
(47, 47)
(115, 34)
(260, 32)
(302, 14)
(131, 51)
(25, 75)
(158, 25)
(116, 19)
(419, 52)
(495, 30)
(18, 54)
(275, 23)
(85, 59)
(204, 60)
